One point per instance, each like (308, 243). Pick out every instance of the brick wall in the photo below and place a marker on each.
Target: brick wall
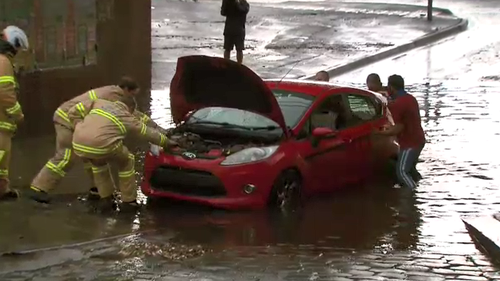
(123, 36)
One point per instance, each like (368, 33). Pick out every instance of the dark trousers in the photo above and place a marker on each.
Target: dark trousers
(234, 41)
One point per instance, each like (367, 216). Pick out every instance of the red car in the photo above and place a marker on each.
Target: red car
(248, 143)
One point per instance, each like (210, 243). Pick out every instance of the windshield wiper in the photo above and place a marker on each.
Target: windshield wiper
(268, 128)
(228, 125)
(223, 124)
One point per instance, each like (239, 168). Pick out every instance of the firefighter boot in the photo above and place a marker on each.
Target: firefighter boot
(106, 205)
(7, 193)
(38, 195)
(130, 207)
(93, 194)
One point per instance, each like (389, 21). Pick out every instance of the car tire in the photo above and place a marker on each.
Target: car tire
(287, 190)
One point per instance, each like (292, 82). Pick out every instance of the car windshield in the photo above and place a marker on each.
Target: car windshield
(292, 104)
(232, 117)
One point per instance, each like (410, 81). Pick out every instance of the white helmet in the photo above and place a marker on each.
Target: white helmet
(16, 37)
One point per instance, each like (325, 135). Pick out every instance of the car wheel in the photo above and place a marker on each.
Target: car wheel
(286, 192)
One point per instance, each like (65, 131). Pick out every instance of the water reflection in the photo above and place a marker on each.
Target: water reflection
(362, 219)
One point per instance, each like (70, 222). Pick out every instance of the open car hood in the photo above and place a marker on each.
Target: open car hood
(203, 81)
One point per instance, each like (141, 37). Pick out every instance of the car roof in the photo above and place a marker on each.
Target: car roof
(315, 88)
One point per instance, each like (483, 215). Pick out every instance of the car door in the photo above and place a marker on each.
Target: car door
(362, 117)
(324, 157)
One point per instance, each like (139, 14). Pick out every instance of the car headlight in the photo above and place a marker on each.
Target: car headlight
(155, 150)
(248, 155)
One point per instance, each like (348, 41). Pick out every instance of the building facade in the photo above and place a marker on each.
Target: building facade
(76, 45)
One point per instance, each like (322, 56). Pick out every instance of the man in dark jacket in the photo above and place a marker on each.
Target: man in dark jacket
(235, 12)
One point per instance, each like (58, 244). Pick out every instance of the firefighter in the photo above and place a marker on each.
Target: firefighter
(56, 168)
(100, 128)
(12, 39)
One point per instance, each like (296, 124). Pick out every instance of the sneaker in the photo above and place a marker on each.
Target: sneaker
(38, 195)
(10, 194)
(93, 194)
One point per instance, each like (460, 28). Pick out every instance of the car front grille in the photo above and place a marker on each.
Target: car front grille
(186, 182)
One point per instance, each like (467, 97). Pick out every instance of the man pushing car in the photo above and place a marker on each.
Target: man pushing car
(408, 130)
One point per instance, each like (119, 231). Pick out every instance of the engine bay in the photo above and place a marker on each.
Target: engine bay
(212, 144)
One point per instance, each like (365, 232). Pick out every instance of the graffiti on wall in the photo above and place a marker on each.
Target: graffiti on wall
(62, 33)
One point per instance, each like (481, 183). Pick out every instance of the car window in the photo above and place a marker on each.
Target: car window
(330, 113)
(362, 108)
(327, 113)
(293, 105)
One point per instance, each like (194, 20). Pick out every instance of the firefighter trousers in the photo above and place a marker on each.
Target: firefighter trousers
(121, 158)
(56, 168)
(5, 152)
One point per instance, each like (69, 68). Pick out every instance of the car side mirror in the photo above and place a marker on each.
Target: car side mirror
(323, 132)
(320, 133)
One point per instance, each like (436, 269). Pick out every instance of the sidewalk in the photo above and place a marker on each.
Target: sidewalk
(327, 34)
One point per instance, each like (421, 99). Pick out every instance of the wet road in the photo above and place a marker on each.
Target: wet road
(371, 233)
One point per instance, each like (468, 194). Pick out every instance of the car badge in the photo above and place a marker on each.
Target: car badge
(188, 155)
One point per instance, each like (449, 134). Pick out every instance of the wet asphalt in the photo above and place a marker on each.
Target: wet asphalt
(373, 232)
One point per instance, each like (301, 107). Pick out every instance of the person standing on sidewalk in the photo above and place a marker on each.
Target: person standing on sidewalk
(407, 129)
(12, 39)
(235, 12)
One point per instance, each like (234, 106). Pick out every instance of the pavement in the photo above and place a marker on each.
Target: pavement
(293, 38)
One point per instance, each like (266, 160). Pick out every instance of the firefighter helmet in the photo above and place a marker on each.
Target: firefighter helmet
(16, 37)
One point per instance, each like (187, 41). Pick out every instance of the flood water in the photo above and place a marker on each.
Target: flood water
(369, 233)
(372, 232)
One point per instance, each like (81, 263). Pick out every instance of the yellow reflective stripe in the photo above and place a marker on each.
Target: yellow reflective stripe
(7, 79)
(2, 153)
(55, 169)
(122, 104)
(97, 170)
(92, 150)
(4, 172)
(92, 95)
(8, 126)
(144, 118)
(81, 109)
(127, 174)
(111, 118)
(163, 140)
(144, 129)
(64, 162)
(63, 115)
(36, 188)
(131, 156)
(15, 109)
